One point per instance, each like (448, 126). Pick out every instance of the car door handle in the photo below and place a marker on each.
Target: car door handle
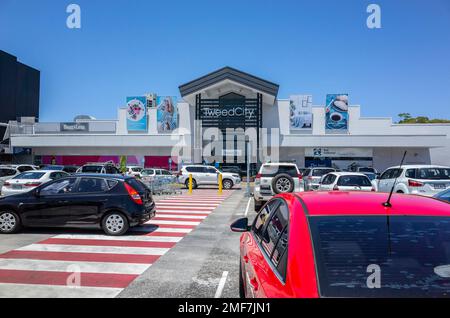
(254, 284)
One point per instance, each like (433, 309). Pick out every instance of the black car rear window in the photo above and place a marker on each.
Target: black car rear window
(136, 184)
(401, 256)
(433, 174)
(7, 172)
(273, 170)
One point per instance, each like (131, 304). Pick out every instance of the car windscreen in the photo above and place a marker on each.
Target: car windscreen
(445, 196)
(354, 181)
(29, 176)
(148, 172)
(6, 172)
(92, 169)
(367, 170)
(380, 256)
(371, 176)
(321, 172)
(433, 174)
(269, 171)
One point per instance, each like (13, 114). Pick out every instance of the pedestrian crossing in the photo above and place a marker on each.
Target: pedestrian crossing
(93, 265)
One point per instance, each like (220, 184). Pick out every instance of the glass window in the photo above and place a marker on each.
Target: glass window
(279, 257)
(148, 172)
(322, 172)
(329, 179)
(434, 174)
(445, 196)
(354, 181)
(30, 176)
(411, 255)
(211, 170)
(158, 172)
(92, 169)
(263, 217)
(372, 170)
(410, 173)
(269, 171)
(166, 173)
(59, 187)
(112, 183)
(136, 184)
(91, 185)
(25, 168)
(5, 172)
(275, 227)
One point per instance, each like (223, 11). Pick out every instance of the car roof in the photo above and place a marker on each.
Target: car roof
(280, 164)
(340, 203)
(346, 173)
(102, 175)
(418, 167)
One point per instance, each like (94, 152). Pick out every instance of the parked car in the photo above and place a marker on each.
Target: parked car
(205, 175)
(313, 176)
(234, 170)
(424, 180)
(330, 244)
(346, 181)
(111, 202)
(373, 179)
(21, 168)
(100, 168)
(134, 171)
(444, 196)
(276, 178)
(68, 169)
(367, 169)
(150, 175)
(7, 173)
(30, 180)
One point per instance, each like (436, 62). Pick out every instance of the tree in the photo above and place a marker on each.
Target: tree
(406, 118)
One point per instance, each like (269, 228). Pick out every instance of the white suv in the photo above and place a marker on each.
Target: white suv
(276, 178)
(205, 175)
(424, 180)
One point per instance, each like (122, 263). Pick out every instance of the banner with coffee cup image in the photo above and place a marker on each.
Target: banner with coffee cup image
(336, 112)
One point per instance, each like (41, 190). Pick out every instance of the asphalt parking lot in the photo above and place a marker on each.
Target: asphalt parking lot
(187, 251)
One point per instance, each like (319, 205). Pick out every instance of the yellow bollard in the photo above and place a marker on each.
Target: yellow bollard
(191, 183)
(220, 184)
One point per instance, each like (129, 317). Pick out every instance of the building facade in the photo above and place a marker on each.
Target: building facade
(229, 117)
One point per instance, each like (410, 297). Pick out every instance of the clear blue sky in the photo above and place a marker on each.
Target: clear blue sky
(130, 47)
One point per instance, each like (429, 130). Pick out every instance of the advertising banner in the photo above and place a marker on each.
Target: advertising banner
(167, 114)
(301, 116)
(337, 112)
(137, 114)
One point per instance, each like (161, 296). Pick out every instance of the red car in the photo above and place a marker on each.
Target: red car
(346, 244)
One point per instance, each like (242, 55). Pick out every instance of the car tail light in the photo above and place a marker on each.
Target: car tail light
(133, 194)
(336, 188)
(32, 184)
(373, 189)
(415, 184)
(300, 176)
(6, 184)
(258, 176)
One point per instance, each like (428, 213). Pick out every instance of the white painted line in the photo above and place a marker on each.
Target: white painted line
(95, 249)
(222, 282)
(47, 291)
(140, 238)
(248, 207)
(194, 205)
(173, 216)
(181, 212)
(156, 222)
(65, 266)
(148, 230)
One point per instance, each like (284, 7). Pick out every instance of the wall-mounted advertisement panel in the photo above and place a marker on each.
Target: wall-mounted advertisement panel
(337, 113)
(167, 114)
(301, 117)
(137, 114)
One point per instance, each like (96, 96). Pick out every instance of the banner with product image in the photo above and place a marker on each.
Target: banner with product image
(167, 114)
(137, 114)
(301, 116)
(336, 112)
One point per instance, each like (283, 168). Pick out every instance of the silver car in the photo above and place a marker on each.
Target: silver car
(205, 175)
(313, 177)
(276, 178)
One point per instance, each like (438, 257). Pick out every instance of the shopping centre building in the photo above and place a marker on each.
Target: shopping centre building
(216, 116)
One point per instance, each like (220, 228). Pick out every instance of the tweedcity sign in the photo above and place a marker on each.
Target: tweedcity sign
(228, 112)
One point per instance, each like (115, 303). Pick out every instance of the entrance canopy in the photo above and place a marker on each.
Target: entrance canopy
(229, 80)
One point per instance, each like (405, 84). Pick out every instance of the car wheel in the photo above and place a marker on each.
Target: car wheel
(258, 206)
(227, 184)
(283, 183)
(400, 192)
(194, 184)
(241, 282)
(115, 224)
(9, 222)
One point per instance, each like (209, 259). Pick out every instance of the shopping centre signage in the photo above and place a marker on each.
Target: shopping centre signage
(74, 127)
(228, 112)
(338, 152)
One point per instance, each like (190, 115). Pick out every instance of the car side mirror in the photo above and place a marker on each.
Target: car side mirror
(240, 226)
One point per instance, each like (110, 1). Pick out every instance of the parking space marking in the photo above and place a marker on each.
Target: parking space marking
(106, 264)
(248, 207)
(221, 286)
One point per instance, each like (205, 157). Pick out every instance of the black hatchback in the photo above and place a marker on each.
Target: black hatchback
(113, 203)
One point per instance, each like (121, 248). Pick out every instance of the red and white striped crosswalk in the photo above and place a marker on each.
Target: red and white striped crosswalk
(97, 266)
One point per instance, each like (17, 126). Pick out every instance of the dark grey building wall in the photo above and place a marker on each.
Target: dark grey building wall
(19, 90)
